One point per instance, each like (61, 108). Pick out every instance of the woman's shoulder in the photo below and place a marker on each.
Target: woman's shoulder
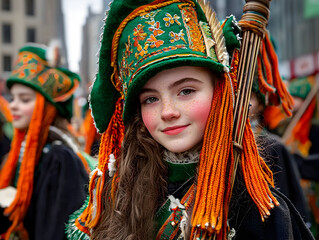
(284, 221)
(57, 150)
(58, 156)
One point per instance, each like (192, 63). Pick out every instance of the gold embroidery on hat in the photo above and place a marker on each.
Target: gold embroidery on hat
(194, 34)
(170, 20)
(155, 28)
(177, 36)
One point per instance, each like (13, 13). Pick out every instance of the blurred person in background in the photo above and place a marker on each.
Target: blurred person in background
(282, 163)
(301, 134)
(43, 179)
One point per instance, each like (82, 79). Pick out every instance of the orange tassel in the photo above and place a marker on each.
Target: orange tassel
(262, 83)
(234, 69)
(273, 86)
(257, 174)
(216, 164)
(111, 141)
(302, 128)
(4, 109)
(286, 99)
(273, 115)
(90, 131)
(7, 172)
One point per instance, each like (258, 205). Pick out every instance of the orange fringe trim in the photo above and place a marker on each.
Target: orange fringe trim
(111, 141)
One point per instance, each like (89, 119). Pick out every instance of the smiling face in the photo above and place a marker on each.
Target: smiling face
(175, 106)
(22, 105)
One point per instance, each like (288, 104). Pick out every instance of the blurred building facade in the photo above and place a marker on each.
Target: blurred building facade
(91, 34)
(24, 21)
(294, 26)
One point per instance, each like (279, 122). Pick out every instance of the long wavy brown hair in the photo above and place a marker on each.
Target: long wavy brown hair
(140, 191)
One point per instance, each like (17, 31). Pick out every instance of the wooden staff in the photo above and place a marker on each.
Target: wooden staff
(253, 24)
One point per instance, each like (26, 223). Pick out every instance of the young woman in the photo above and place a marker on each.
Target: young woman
(43, 179)
(166, 153)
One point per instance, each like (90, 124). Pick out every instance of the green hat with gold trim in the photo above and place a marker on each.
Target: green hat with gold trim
(56, 84)
(300, 87)
(142, 38)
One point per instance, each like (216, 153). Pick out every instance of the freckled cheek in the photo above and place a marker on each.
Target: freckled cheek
(199, 110)
(149, 119)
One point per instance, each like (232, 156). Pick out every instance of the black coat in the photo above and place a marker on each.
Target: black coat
(284, 223)
(59, 189)
(285, 171)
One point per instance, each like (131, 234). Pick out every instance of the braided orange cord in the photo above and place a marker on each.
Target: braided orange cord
(111, 141)
(257, 174)
(273, 115)
(234, 69)
(89, 131)
(83, 160)
(302, 129)
(88, 215)
(262, 84)
(268, 70)
(4, 108)
(215, 161)
(286, 99)
(7, 172)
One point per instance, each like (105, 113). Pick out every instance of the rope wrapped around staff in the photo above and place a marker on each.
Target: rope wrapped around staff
(254, 27)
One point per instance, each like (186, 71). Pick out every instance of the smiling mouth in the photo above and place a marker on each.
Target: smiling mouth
(174, 130)
(16, 117)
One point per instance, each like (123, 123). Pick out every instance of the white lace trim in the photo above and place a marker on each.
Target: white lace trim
(187, 157)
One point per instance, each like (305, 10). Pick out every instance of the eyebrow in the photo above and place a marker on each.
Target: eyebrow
(25, 94)
(174, 84)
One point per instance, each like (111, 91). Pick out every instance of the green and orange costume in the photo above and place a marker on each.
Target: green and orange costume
(47, 169)
(141, 39)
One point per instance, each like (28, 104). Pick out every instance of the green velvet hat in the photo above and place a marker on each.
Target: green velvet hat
(300, 87)
(144, 37)
(56, 84)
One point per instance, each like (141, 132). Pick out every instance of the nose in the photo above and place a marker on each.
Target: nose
(13, 105)
(169, 110)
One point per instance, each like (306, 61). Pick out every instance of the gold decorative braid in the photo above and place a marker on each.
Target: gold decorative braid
(217, 32)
